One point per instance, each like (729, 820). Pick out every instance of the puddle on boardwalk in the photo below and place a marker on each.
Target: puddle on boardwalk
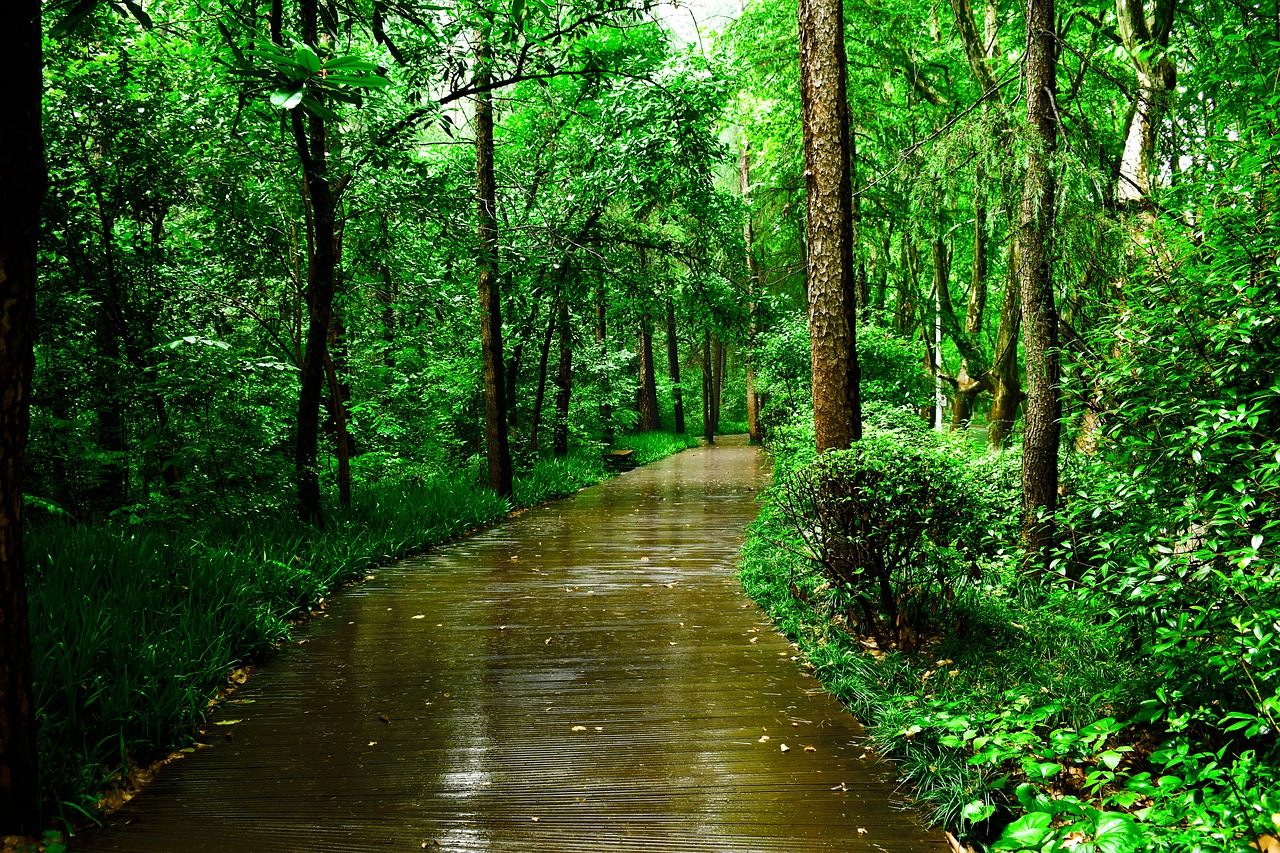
(585, 677)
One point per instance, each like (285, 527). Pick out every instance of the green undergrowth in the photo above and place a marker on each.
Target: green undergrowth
(136, 627)
(1021, 721)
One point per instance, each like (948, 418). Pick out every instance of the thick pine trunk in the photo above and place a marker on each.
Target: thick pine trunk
(1039, 314)
(497, 447)
(673, 367)
(22, 186)
(564, 381)
(837, 414)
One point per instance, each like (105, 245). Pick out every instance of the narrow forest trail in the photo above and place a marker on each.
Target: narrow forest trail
(585, 677)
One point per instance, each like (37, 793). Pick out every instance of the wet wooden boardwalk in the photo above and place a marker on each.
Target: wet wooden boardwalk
(585, 677)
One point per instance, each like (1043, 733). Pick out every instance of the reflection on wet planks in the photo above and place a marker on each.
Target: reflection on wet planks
(585, 677)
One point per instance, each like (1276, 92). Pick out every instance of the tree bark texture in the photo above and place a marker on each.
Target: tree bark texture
(496, 441)
(1039, 313)
(837, 414)
(311, 146)
(23, 178)
(673, 367)
(648, 390)
(1145, 36)
(540, 393)
(755, 285)
(708, 426)
(602, 329)
(564, 381)
(1006, 380)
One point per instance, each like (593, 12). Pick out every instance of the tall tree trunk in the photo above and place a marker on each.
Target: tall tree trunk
(755, 285)
(23, 178)
(1006, 380)
(673, 367)
(539, 394)
(342, 438)
(606, 408)
(497, 446)
(512, 373)
(837, 411)
(708, 425)
(1146, 39)
(311, 146)
(1039, 314)
(648, 390)
(564, 381)
(717, 348)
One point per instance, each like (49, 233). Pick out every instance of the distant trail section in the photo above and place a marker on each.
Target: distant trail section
(587, 676)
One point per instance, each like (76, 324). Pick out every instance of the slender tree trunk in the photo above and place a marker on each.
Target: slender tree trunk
(648, 390)
(755, 285)
(544, 354)
(606, 408)
(837, 414)
(342, 439)
(1146, 40)
(497, 446)
(1039, 314)
(673, 367)
(512, 374)
(708, 425)
(564, 382)
(23, 179)
(311, 146)
(1006, 380)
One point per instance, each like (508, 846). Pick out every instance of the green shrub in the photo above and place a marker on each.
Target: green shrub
(893, 524)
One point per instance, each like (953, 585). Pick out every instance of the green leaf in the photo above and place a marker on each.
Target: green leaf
(350, 63)
(1026, 831)
(1116, 833)
(977, 811)
(289, 97)
(306, 58)
(517, 13)
(370, 82)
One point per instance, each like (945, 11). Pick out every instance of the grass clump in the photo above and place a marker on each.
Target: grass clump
(136, 627)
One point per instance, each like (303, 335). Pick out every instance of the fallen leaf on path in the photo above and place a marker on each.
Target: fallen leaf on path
(373, 743)
(421, 616)
(786, 748)
(384, 718)
(578, 729)
(810, 749)
(227, 722)
(763, 739)
(547, 641)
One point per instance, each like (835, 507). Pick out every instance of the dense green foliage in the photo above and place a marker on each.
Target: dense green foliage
(650, 221)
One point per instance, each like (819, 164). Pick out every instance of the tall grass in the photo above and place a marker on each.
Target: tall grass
(134, 628)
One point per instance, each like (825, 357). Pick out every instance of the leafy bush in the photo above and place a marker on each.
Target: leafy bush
(894, 525)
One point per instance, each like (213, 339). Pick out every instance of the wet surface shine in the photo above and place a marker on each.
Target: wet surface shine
(585, 677)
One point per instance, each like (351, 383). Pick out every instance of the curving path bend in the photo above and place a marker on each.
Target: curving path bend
(587, 676)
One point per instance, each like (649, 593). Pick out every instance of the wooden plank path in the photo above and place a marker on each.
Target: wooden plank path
(587, 676)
